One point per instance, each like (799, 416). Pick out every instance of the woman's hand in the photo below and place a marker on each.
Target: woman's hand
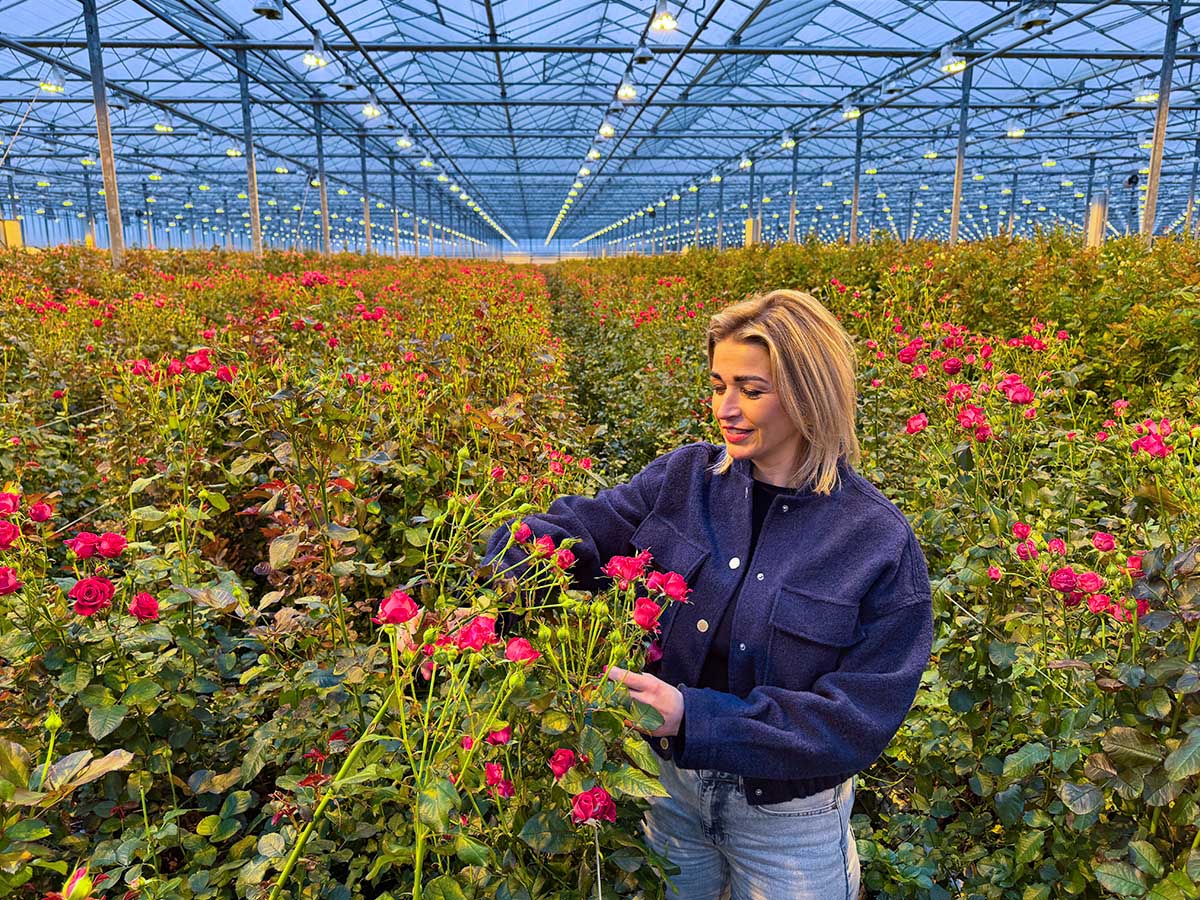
(654, 692)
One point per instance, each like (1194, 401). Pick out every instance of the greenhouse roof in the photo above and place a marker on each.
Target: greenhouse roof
(505, 101)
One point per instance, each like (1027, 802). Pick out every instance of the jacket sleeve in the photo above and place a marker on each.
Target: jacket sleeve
(603, 523)
(841, 725)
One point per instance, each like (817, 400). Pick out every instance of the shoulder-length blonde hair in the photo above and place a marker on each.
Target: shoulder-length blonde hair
(813, 370)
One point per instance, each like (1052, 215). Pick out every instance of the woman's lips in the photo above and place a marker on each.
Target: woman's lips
(736, 435)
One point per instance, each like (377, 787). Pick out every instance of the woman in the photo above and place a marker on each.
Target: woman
(809, 624)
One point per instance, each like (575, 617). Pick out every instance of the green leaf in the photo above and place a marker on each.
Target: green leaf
(435, 803)
(555, 721)
(1175, 886)
(104, 720)
(1022, 762)
(141, 691)
(1184, 761)
(236, 803)
(1192, 866)
(272, 845)
(338, 532)
(147, 515)
(1029, 846)
(1036, 892)
(471, 851)
(27, 830)
(208, 825)
(283, 549)
(1146, 857)
(1128, 746)
(443, 887)
(215, 500)
(1010, 805)
(646, 717)
(632, 783)
(1080, 799)
(546, 832)
(1120, 878)
(641, 754)
(591, 742)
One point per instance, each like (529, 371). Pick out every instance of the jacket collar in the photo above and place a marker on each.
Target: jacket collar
(741, 469)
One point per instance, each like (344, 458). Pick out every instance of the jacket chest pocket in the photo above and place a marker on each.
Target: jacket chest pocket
(671, 550)
(807, 637)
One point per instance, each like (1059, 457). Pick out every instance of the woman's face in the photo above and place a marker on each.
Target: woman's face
(746, 406)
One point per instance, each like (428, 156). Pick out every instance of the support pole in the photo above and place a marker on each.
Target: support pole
(112, 203)
(858, 139)
(720, 214)
(750, 235)
(1191, 207)
(696, 230)
(1174, 20)
(960, 156)
(91, 214)
(326, 247)
(366, 197)
(395, 210)
(792, 205)
(256, 242)
(1012, 206)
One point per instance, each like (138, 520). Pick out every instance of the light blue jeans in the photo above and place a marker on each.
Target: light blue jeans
(797, 850)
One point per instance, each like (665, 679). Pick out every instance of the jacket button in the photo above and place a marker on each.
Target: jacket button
(664, 743)
(759, 576)
(741, 647)
(758, 792)
(785, 507)
(734, 563)
(702, 626)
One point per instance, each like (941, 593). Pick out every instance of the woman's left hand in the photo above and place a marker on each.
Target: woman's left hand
(654, 692)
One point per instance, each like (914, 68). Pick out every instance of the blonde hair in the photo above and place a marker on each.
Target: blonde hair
(813, 369)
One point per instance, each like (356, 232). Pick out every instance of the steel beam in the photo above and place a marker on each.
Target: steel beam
(1174, 21)
(366, 196)
(960, 156)
(112, 202)
(256, 241)
(854, 196)
(326, 245)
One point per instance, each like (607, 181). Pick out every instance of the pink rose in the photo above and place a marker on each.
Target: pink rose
(1019, 394)
(653, 652)
(519, 650)
(1020, 530)
(41, 512)
(83, 545)
(952, 365)
(561, 762)
(467, 742)
(500, 736)
(9, 504)
(1103, 541)
(1090, 582)
(626, 569)
(505, 788)
(144, 607)
(91, 595)
(1099, 603)
(395, 609)
(646, 613)
(493, 773)
(669, 584)
(227, 373)
(111, 545)
(9, 532)
(478, 633)
(592, 807)
(1027, 551)
(564, 558)
(994, 573)
(1056, 546)
(8, 581)
(1063, 579)
(523, 534)
(543, 546)
(917, 423)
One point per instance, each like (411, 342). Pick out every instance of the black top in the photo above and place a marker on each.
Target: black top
(715, 672)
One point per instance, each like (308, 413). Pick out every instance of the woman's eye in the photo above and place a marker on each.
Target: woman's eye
(752, 395)
(717, 389)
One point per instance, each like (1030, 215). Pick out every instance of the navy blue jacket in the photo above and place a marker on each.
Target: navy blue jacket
(832, 626)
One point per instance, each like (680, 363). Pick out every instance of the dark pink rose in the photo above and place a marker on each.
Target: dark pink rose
(1103, 541)
(626, 568)
(561, 762)
(395, 609)
(543, 546)
(523, 534)
(916, 424)
(594, 806)
(1056, 546)
(9, 584)
(144, 607)
(520, 650)
(9, 503)
(493, 773)
(564, 558)
(111, 545)
(41, 512)
(646, 613)
(9, 532)
(1063, 579)
(1089, 582)
(91, 595)
(500, 736)
(478, 633)
(669, 584)
(83, 545)
(1020, 530)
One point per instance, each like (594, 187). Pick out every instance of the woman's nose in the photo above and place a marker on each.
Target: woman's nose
(728, 407)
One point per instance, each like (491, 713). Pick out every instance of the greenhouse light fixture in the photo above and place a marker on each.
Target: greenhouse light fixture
(627, 92)
(871, 170)
(663, 20)
(715, 178)
(316, 58)
(53, 82)
(606, 130)
(164, 125)
(426, 163)
(404, 141)
(930, 154)
(1147, 93)
(281, 169)
(1049, 162)
(1015, 129)
(643, 55)
(371, 109)
(1034, 15)
(87, 162)
(233, 151)
(950, 62)
(593, 153)
(787, 141)
(850, 111)
(745, 162)
(584, 172)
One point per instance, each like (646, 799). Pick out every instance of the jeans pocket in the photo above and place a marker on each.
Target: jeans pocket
(814, 805)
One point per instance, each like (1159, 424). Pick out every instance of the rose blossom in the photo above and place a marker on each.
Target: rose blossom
(543, 546)
(8, 581)
(1063, 579)
(626, 568)
(395, 609)
(1020, 530)
(83, 545)
(1090, 582)
(1099, 603)
(493, 773)
(9, 532)
(669, 584)
(1056, 546)
(1027, 551)
(500, 736)
(41, 512)
(144, 607)
(917, 423)
(9, 504)
(519, 650)
(646, 613)
(111, 545)
(564, 558)
(523, 534)
(994, 573)
(591, 807)
(478, 633)
(91, 595)
(1103, 541)
(561, 762)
